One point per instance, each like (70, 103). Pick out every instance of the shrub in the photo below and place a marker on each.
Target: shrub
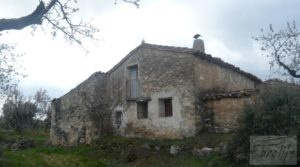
(18, 115)
(275, 111)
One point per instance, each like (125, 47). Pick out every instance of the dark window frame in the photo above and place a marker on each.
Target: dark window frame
(166, 107)
(142, 110)
(118, 118)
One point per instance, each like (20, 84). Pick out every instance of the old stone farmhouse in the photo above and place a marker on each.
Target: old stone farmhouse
(155, 92)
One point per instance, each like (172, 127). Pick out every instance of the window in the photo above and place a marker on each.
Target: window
(165, 107)
(118, 118)
(142, 110)
(132, 82)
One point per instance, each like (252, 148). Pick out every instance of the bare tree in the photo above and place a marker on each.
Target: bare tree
(283, 48)
(56, 14)
(42, 102)
(8, 70)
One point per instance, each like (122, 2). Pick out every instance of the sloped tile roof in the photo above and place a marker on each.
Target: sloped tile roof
(194, 52)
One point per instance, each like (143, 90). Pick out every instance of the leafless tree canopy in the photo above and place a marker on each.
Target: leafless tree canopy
(283, 48)
(56, 14)
(42, 101)
(8, 70)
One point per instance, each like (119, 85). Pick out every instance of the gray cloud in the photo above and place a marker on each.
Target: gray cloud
(232, 23)
(235, 22)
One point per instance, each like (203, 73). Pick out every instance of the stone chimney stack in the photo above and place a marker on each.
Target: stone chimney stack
(198, 44)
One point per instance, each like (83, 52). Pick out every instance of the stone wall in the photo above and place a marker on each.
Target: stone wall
(161, 74)
(82, 114)
(226, 112)
(214, 77)
(164, 72)
(210, 76)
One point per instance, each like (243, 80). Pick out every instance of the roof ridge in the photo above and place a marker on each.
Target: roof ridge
(171, 47)
(125, 58)
(206, 56)
(195, 52)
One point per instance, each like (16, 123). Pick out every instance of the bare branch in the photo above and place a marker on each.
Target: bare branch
(286, 67)
(58, 14)
(19, 23)
(134, 2)
(60, 21)
(8, 71)
(283, 47)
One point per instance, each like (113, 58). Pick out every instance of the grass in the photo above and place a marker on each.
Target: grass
(111, 151)
(39, 137)
(50, 157)
(42, 156)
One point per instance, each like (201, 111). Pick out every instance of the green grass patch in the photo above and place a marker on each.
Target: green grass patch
(50, 157)
(112, 151)
(38, 136)
(204, 140)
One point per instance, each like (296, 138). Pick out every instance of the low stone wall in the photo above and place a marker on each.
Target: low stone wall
(222, 110)
(82, 114)
(226, 112)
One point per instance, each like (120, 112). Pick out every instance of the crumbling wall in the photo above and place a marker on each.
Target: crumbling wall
(217, 79)
(226, 112)
(221, 111)
(162, 73)
(82, 114)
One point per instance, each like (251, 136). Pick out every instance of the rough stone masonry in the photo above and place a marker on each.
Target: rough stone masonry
(153, 92)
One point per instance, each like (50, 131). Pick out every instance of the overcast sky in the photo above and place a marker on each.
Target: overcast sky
(227, 27)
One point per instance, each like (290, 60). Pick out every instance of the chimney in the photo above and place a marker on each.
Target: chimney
(198, 43)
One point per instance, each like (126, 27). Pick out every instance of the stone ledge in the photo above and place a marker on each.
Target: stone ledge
(233, 94)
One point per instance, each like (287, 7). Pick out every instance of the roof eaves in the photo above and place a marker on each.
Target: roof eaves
(222, 63)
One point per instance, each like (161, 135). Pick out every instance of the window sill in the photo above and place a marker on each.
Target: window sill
(139, 99)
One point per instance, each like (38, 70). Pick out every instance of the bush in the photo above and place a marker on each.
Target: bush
(276, 111)
(18, 115)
